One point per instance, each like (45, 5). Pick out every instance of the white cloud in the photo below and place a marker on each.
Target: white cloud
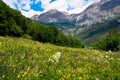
(30, 13)
(37, 1)
(10, 3)
(61, 5)
(80, 5)
(22, 5)
(75, 3)
(26, 4)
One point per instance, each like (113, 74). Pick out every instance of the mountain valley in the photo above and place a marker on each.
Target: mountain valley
(89, 25)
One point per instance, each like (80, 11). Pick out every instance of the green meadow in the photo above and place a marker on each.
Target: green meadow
(23, 59)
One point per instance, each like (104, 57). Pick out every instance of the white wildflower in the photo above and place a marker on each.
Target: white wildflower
(119, 59)
(111, 58)
(85, 57)
(55, 57)
(107, 53)
(97, 79)
(110, 51)
(3, 76)
(0, 43)
(107, 56)
(105, 62)
(51, 60)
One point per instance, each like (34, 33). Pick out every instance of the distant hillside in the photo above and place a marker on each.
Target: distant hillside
(13, 23)
(92, 33)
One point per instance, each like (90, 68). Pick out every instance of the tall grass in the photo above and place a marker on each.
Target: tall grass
(22, 59)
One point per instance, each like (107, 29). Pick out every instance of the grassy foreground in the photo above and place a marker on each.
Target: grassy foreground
(30, 60)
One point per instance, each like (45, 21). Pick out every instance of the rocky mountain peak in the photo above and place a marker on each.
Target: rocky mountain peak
(35, 17)
(52, 11)
(96, 12)
(110, 4)
(51, 16)
(104, 1)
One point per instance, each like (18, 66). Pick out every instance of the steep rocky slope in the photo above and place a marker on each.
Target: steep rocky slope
(98, 12)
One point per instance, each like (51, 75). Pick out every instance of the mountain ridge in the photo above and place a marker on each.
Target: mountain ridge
(96, 14)
(52, 16)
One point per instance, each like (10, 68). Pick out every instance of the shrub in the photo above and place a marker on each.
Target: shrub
(110, 42)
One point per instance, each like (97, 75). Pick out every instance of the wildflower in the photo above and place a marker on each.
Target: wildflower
(51, 60)
(107, 56)
(85, 58)
(18, 76)
(55, 57)
(107, 53)
(111, 58)
(25, 73)
(3, 76)
(80, 78)
(97, 78)
(105, 62)
(110, 51)
(119, 59)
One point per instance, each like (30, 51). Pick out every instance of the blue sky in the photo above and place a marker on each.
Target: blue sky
(30, 7)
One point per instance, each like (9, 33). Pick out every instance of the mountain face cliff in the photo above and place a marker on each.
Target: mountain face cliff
(98, 12)
(91, 24)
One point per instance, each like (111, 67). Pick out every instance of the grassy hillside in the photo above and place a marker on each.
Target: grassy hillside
(27, 60)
